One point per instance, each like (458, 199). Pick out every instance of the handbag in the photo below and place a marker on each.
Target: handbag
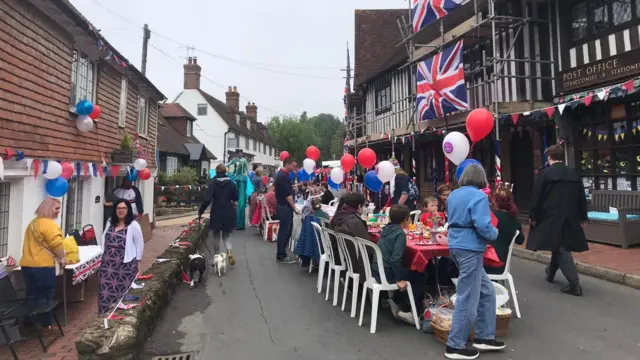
(88, 236)
(58, 266)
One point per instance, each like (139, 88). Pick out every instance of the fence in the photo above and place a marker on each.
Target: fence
(179, 196)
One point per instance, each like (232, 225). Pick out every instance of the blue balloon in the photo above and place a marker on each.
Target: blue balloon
(292, 176)
(372, 182)
(57, 187)
(463, 165)
(332, 184)
(84, 107)
(303, 176)
(132, 175)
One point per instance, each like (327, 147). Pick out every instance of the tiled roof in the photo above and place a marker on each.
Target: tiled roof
(175, 110)
(170, 141)
(376, 38)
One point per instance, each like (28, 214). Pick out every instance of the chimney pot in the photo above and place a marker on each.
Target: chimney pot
(235, 89)
(195, 60)
(192, 74)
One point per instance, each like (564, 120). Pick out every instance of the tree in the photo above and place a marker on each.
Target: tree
(326, 126)
(337, 143)
(292, 135)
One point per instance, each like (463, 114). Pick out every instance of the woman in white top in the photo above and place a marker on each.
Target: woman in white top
(122, 245)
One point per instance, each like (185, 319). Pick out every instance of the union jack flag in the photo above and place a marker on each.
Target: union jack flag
(440, 83)
(424, 12)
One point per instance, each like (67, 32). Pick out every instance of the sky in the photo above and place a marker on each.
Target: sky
(284, 55)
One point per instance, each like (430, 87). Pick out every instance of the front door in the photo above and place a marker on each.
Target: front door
(522, 167)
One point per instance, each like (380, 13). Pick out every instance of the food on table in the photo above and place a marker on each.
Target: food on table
(426, 235)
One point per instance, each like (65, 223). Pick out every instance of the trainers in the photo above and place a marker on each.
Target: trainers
(488, 345)
(232, 260)
(572, 289)
(393, 307)
(406, 316)
(461, 354)
(286, 260)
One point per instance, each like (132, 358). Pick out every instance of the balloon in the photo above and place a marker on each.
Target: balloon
(332, 184)
(313, 153)
(84, 123)
(57, 187)
(463, 165)
(455, 147)
(284, 155)
(67, 170)
(96, 112)
(308, 165)
(372, 182)
(140, 164)
(144, 174)
(479, 124)
(132, 175)
(337, 175)
(367, 158)
(54, 170)
(84, 107)
(348, 162)
(386, 171)
(264, 179)
(302, 175)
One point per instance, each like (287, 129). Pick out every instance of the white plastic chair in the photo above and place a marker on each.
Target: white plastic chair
(346, 259)
(324, 254)
(415, 215)
(506, 276)
(266, 220)
(333, 202)
(372, 283)
(337, 269)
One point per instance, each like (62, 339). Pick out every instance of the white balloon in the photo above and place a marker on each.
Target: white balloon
(455, 147)
(337, 175)
(54, 170)
(308, 165)
(84, 123)
(140, 164)
(386, 171)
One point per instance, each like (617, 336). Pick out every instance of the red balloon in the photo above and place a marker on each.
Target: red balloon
(348, 162)
(313, 153)
(479, 124)
(96, 112)
(367, 158)
(67, 170)
(144, 174)
(284, 155)
(264, 180)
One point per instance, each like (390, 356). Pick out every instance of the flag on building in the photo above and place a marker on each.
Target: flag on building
(440, 84)
(424, 12)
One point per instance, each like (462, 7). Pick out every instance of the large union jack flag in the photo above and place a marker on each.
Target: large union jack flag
(424, 12)
(440, 84)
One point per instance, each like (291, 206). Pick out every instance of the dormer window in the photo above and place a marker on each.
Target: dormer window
(189, 128)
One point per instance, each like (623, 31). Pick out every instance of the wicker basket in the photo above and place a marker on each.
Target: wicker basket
(502, 324)
(442, 335)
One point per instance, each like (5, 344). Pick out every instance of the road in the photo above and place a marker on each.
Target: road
(269, 311)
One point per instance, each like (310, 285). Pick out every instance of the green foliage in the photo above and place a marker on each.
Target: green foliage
(337, 142)
(163, 179)
(186, 176)
(126, 143)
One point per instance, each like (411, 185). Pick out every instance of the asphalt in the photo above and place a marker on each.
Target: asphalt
(268, 311)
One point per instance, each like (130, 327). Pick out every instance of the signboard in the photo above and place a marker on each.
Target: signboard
(600, 72)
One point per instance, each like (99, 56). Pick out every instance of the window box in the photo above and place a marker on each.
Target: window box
(120, 156)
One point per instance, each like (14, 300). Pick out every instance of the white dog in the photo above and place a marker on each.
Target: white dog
(220, 263)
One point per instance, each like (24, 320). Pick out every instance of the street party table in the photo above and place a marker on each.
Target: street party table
(89, 264)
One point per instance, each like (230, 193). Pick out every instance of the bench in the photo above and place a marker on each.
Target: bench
(622, 229)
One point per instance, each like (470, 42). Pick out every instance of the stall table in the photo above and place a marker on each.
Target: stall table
(90, 261)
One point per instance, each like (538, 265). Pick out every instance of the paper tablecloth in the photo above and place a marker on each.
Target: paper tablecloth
(90, 260)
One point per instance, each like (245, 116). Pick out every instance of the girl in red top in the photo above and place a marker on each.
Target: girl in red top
(430, 216)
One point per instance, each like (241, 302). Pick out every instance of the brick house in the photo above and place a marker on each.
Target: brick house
(51, 57)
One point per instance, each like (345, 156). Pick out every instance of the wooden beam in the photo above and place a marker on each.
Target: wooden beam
(451, 35)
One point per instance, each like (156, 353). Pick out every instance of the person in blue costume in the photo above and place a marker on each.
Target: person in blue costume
(239, 173)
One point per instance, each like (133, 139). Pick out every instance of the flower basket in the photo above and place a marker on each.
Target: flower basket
(119, 156)
(502, 324)
(442, 334)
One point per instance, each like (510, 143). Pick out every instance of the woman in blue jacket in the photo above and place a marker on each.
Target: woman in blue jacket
(470, 229)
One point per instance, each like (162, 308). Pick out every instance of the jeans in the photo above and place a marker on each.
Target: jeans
(563, 260)
(41, 288)
(285, 216)
(417, 281)
(476, 300)
(213, 237)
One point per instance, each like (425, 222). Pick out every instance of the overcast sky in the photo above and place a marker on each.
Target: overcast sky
(303, 37)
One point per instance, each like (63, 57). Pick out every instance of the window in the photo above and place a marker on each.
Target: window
(172, 165)
(579, 21)
(246, 143)
(255, 145)
(620, 11)
(82, 78)
(202, 109)
(270, 151)
(599, 16)
(143, 115)
(189, 128)
(122, 112)
(383, 99)
(73, 211)
(233, 141)
(264, 149)
(593, 17)
(5, 190)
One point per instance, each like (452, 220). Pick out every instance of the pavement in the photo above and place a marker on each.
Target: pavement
(264, 310)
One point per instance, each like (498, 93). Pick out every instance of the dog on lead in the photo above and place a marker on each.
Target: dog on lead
(220, 263)
(197, 267)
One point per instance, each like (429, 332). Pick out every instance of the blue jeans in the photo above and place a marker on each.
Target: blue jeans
(476, 300)
(285, 216)
(41, 288)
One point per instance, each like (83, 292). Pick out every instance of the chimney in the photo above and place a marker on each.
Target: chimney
(192, 74)
(233, 100)
(252, 111)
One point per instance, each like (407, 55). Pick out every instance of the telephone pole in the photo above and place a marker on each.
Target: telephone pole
(146, 35)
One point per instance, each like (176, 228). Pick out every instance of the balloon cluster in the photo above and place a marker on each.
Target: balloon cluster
(139, 171)
(87, 114)
(57, 175)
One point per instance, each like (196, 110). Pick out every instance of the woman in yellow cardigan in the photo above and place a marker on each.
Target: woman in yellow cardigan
(43, 243)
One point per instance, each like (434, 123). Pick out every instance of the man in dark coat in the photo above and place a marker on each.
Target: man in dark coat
(558, 212)
(223, 195)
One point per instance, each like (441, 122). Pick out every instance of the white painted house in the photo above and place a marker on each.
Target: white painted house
(222, 127)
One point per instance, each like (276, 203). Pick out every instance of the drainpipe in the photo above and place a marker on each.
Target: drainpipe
(224, 151)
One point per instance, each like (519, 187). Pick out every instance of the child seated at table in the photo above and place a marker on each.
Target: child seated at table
(505, 210)
(430, 217)
(392, 244)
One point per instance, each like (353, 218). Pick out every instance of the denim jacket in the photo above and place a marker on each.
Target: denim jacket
(469, 216)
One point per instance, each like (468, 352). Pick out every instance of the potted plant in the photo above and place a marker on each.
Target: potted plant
(124, 155)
